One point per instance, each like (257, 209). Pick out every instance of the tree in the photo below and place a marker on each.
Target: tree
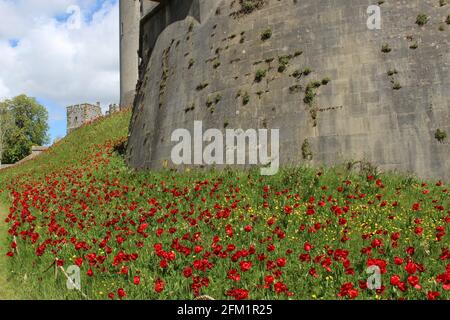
(29, 127)
(6, 124)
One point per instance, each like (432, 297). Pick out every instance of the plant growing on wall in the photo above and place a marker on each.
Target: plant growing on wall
(386, 48)
(190, 108)
(299, 73)
(248, 6)
(266, 34)
(209, 102)
(191, 27)
(392, 72)
(260, 74)
(202, 86)
(397, 85)
(245, 98)
(283, 62)
(414, 46)
(295, 88)
(306, 150)
(440, 135)
(191, 63)
(310, 94)
(325, 81)
(422, 19)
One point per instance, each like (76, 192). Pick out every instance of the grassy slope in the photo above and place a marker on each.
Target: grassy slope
(73, 148)
(7, 291)
(70, 151)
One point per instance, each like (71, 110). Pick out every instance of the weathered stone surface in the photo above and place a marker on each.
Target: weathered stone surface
(359, 113)
(129, 44)
(79, 114)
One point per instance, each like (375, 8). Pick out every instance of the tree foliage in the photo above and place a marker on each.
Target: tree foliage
(24, 123)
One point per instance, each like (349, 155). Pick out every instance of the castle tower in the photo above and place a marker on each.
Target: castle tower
(80, 114)
(129, 45)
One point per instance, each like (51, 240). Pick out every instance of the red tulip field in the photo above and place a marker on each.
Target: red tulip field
(304, 233)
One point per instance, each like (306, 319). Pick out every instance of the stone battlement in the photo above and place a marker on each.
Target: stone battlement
(79, 114)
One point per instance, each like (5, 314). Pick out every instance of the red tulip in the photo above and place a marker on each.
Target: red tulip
(411, 267)
(245, 265)
(281, 262)
(121, 293)
(159, 285)
(307, 246)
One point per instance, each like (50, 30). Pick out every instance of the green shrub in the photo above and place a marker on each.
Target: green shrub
(316, 84)
(422, 19)
(266, 34)
(386, 48)
(306, 71)
(248, 6)
(325, 81)
(283, 62)
(260, 74)
(440, 135)
(245, 98)
(309, 95)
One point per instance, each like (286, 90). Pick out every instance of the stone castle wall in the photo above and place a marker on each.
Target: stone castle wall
(77, 115)
(383, 107)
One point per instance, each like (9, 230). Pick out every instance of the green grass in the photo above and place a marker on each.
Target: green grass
(7, 288)
(72, 151)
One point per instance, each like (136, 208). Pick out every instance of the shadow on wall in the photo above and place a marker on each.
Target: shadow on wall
(166, 13)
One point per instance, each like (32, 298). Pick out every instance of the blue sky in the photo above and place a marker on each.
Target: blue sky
(88, 11)
(48, 53)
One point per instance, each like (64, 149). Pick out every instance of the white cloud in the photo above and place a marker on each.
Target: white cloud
(4, 91)
(55, 62)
